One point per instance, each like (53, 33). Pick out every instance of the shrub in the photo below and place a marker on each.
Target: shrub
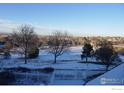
(33, 52)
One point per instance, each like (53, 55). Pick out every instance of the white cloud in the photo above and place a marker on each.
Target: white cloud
(9, 26)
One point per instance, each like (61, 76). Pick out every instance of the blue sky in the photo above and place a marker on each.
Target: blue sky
(78, 19)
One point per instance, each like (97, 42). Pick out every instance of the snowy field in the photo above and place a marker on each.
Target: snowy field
(69, 60)
(68, 69)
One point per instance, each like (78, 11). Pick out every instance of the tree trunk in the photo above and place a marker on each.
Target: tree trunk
(86, 62)
(25, 56)
(107, 66)
(25, 60)
(55, 59)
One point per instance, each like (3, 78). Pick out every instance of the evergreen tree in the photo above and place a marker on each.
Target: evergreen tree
(87, 49)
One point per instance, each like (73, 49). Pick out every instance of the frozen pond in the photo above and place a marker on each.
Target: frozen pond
(58, 77)
(71, 77)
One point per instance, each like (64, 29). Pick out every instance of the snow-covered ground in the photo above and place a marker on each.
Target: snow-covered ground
(68, 69)
(69, 60)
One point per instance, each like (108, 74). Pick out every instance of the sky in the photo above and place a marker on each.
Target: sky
(77, 19)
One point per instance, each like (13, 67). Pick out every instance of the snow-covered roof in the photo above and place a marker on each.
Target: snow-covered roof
(113, 77)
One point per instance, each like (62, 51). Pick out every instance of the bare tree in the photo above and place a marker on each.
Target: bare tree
(25, 39)
(58, 43)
